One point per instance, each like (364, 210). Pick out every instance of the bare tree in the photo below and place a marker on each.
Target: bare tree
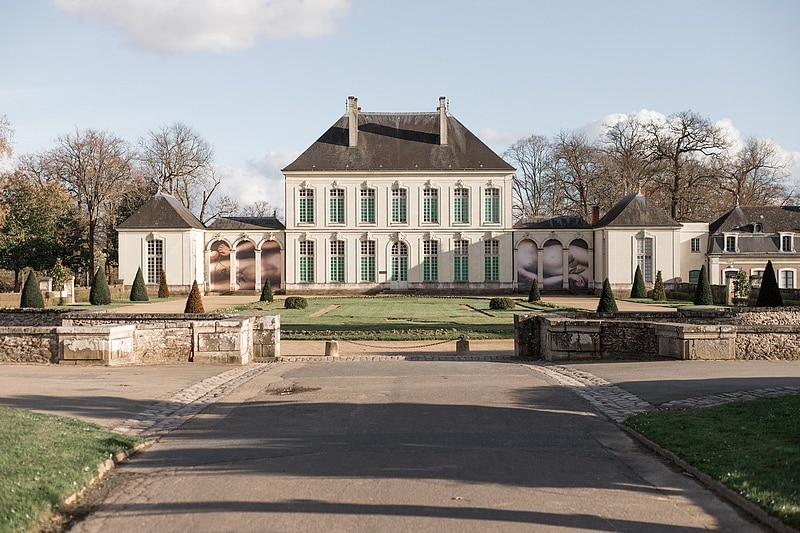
(626, 158)
(181, 163)
(686, 146)
(578, 172)
(755, 175)
(6, 134)
(262, 209)
(94, 167)
(533, 186)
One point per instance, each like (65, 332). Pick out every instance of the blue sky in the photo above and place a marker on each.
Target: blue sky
(261, 80)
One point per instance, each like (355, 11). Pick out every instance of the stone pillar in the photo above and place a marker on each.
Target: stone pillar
(331, 349)
(462, 346)
(232, 271)
(565, 269)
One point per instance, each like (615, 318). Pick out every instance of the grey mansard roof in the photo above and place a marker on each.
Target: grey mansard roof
(773, 219)
(635, 210)
(398, 141)
(245, 223)
(162, 211)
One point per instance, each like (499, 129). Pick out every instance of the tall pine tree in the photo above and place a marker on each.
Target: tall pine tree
(702, 294)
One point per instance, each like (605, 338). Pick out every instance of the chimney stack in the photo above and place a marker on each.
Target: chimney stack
(442, 121)
(352, 120)
(595, 214)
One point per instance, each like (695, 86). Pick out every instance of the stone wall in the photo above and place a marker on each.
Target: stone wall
(30, 317)
(123, 339)
(690, 334)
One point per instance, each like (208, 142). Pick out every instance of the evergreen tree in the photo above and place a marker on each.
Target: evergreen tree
(769, 295)
(702, 294)
(139, 289)
(100, 293)
(163, 288)
(266, 292)
(31, 295)
(659, 292)
(534, 295)
(194, 304)
(638, 290)
(607, 304)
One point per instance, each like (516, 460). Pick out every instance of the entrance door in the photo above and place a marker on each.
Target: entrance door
(399, 262)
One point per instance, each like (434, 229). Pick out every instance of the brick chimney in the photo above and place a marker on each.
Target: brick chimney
(442, 121)
(595, 214)
(352, 120)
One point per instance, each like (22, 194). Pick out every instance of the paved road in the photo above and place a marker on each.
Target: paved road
(401, 446)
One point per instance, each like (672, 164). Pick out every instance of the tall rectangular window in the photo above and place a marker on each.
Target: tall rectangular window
(430, 205)
(491, 205)
(367, 215)
(491, 260)
(367, 260)
(786, 243)
(461, 261)
(336, 207)
(430, 260)
(307, 261)
(644, 257)
(461, 206)
(155, 260)
(337, 261)
(305, 207)
(695, 244)
(400, 206)
(786, 279)
(730, 243)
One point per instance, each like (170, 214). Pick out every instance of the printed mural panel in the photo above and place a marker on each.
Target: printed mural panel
(245, 266)
(527, 264)
(220, 266)
(271, 262)
(578, 265)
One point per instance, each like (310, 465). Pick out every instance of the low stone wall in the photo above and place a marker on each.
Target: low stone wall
(30, 317)
(124, 339)
(690, 334)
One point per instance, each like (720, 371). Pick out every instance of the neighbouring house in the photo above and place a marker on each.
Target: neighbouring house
(745, 238)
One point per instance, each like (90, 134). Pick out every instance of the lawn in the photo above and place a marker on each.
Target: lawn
(752, 447)
(395, 318)
(44, 459)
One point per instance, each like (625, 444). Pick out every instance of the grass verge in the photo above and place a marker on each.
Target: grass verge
(753, 447)
(44, 459)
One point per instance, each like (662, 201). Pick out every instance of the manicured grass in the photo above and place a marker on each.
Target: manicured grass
(752, 447)
(394, 318)
(44, 459)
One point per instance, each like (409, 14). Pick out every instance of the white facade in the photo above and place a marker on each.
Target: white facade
(177, 251)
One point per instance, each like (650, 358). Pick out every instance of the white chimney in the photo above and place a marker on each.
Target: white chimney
(442, 121)
(352, 120)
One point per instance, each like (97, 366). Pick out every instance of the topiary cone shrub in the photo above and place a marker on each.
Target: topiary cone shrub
(769, 295)
(501, 304)
(607, 304)
(163, 288)
(31, 295)
(534, 295)
(139, 289)
(266, 292)
(194, 303)
(99, 294)
(702, 294)
(638, 290)
(295, 302)
(659, 292)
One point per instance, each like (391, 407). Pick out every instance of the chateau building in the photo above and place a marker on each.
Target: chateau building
(416, 202)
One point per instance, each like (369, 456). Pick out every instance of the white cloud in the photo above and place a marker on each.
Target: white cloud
(262, 180)
(495, 137)
(184, 26)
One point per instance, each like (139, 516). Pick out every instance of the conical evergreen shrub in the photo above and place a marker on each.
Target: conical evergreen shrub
(31, 295)
(534, 295)
(139, 289)
(163, 288)
(266, 292)
(194, 303)
(607, 304)
(769, 295)
(659, 292)
(100, 294)
(702, 294)
(638, 290)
